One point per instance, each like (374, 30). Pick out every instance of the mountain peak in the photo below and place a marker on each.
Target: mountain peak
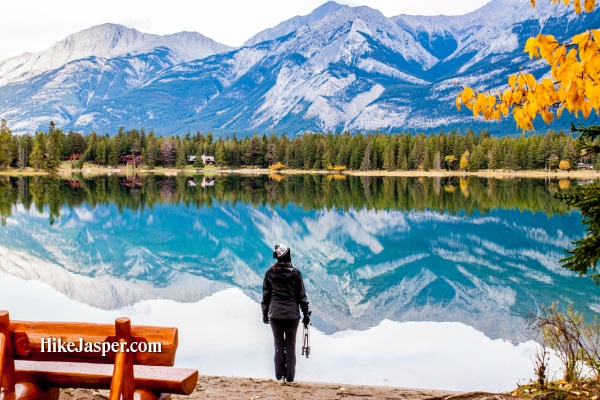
(295, 23)
(326, 8)
(106, 41)
(337, 68)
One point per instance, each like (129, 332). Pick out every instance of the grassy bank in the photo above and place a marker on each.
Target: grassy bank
(66, 170)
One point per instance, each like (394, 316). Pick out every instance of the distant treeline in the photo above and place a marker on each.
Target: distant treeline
(451, 195)
(310, 151)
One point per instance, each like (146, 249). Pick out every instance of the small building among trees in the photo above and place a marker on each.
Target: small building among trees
(73, 157)
(208, 181)
(208, 160)
(131, 159)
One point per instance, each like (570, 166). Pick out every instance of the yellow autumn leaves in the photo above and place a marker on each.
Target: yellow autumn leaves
(573, 83)
(587, 4)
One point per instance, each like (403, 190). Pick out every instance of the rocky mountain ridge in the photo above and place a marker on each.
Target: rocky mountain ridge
(338, 68)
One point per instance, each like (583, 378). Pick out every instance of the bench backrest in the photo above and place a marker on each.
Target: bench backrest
(95, 343)
(47, 341)
(56, 344)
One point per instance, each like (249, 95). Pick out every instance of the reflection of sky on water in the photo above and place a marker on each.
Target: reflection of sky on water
(361, 266)
(223, 335)
(396, 293)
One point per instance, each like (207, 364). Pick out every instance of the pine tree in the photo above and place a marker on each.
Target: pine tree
(318, 164)
(271, 154)
(220, 158)
(327, 158)
(510, 159)
(101, 154)
(494, 157)
(151, 151)
(7, 148)
(198, 161)
(253, 151)
(553, 161)
(282, 143)
(22, 154)
(357, 152)
(114, 156)
(477, 161)
(389, 158)
(136, 147)
(569, 153)
(37, 154)
(545, 149)
(418, 153)
(426, 159)
(343, 156)
(53, 149)
(401, 159)
(366, 162)
(181, 158)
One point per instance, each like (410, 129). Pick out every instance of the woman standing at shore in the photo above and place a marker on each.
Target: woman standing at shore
(283, 297)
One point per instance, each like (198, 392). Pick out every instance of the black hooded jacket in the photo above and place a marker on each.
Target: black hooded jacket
(283, 292)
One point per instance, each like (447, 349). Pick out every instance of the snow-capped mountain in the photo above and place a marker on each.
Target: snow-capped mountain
(497, 28)
(293, 24)
(338, 68)
(106, 41)
(66, 93)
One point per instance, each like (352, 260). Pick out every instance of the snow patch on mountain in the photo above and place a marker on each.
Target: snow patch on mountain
(85, 119)
(329, 113)
(373, 271)
(505, 43)
(106, 41)
(371, 65)
(381, 115)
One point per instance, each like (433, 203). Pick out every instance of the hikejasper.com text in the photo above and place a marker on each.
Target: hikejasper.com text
(57, 345)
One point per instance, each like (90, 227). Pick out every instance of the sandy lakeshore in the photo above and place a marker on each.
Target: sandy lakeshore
(214, 388)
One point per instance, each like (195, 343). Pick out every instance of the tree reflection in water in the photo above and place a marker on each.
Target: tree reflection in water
(451, 195)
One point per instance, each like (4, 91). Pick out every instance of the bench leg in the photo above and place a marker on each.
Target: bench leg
(143, 394)
(30, 391)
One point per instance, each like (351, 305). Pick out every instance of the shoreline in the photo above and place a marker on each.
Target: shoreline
(223, 387)
(91, 170)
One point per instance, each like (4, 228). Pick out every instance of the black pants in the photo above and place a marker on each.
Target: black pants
(284, 333)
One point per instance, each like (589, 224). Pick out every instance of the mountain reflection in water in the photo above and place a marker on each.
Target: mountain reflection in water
(481, 252)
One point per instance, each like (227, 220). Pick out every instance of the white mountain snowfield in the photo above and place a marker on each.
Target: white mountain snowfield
(338, 68)
(106, 41)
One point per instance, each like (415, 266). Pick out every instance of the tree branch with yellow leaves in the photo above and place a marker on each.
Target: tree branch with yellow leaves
(572, 85)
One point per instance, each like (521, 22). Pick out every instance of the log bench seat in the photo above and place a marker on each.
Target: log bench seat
(29, 371)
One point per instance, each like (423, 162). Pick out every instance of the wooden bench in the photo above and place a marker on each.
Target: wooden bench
(30, 371)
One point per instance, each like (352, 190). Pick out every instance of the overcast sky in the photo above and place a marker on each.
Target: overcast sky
(34, 25)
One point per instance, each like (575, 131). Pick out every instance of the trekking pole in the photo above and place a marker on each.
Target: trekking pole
(306, 343)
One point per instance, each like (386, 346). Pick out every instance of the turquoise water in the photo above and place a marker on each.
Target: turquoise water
(376, 255)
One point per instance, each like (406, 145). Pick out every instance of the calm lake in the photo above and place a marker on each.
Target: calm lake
(413, 282)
